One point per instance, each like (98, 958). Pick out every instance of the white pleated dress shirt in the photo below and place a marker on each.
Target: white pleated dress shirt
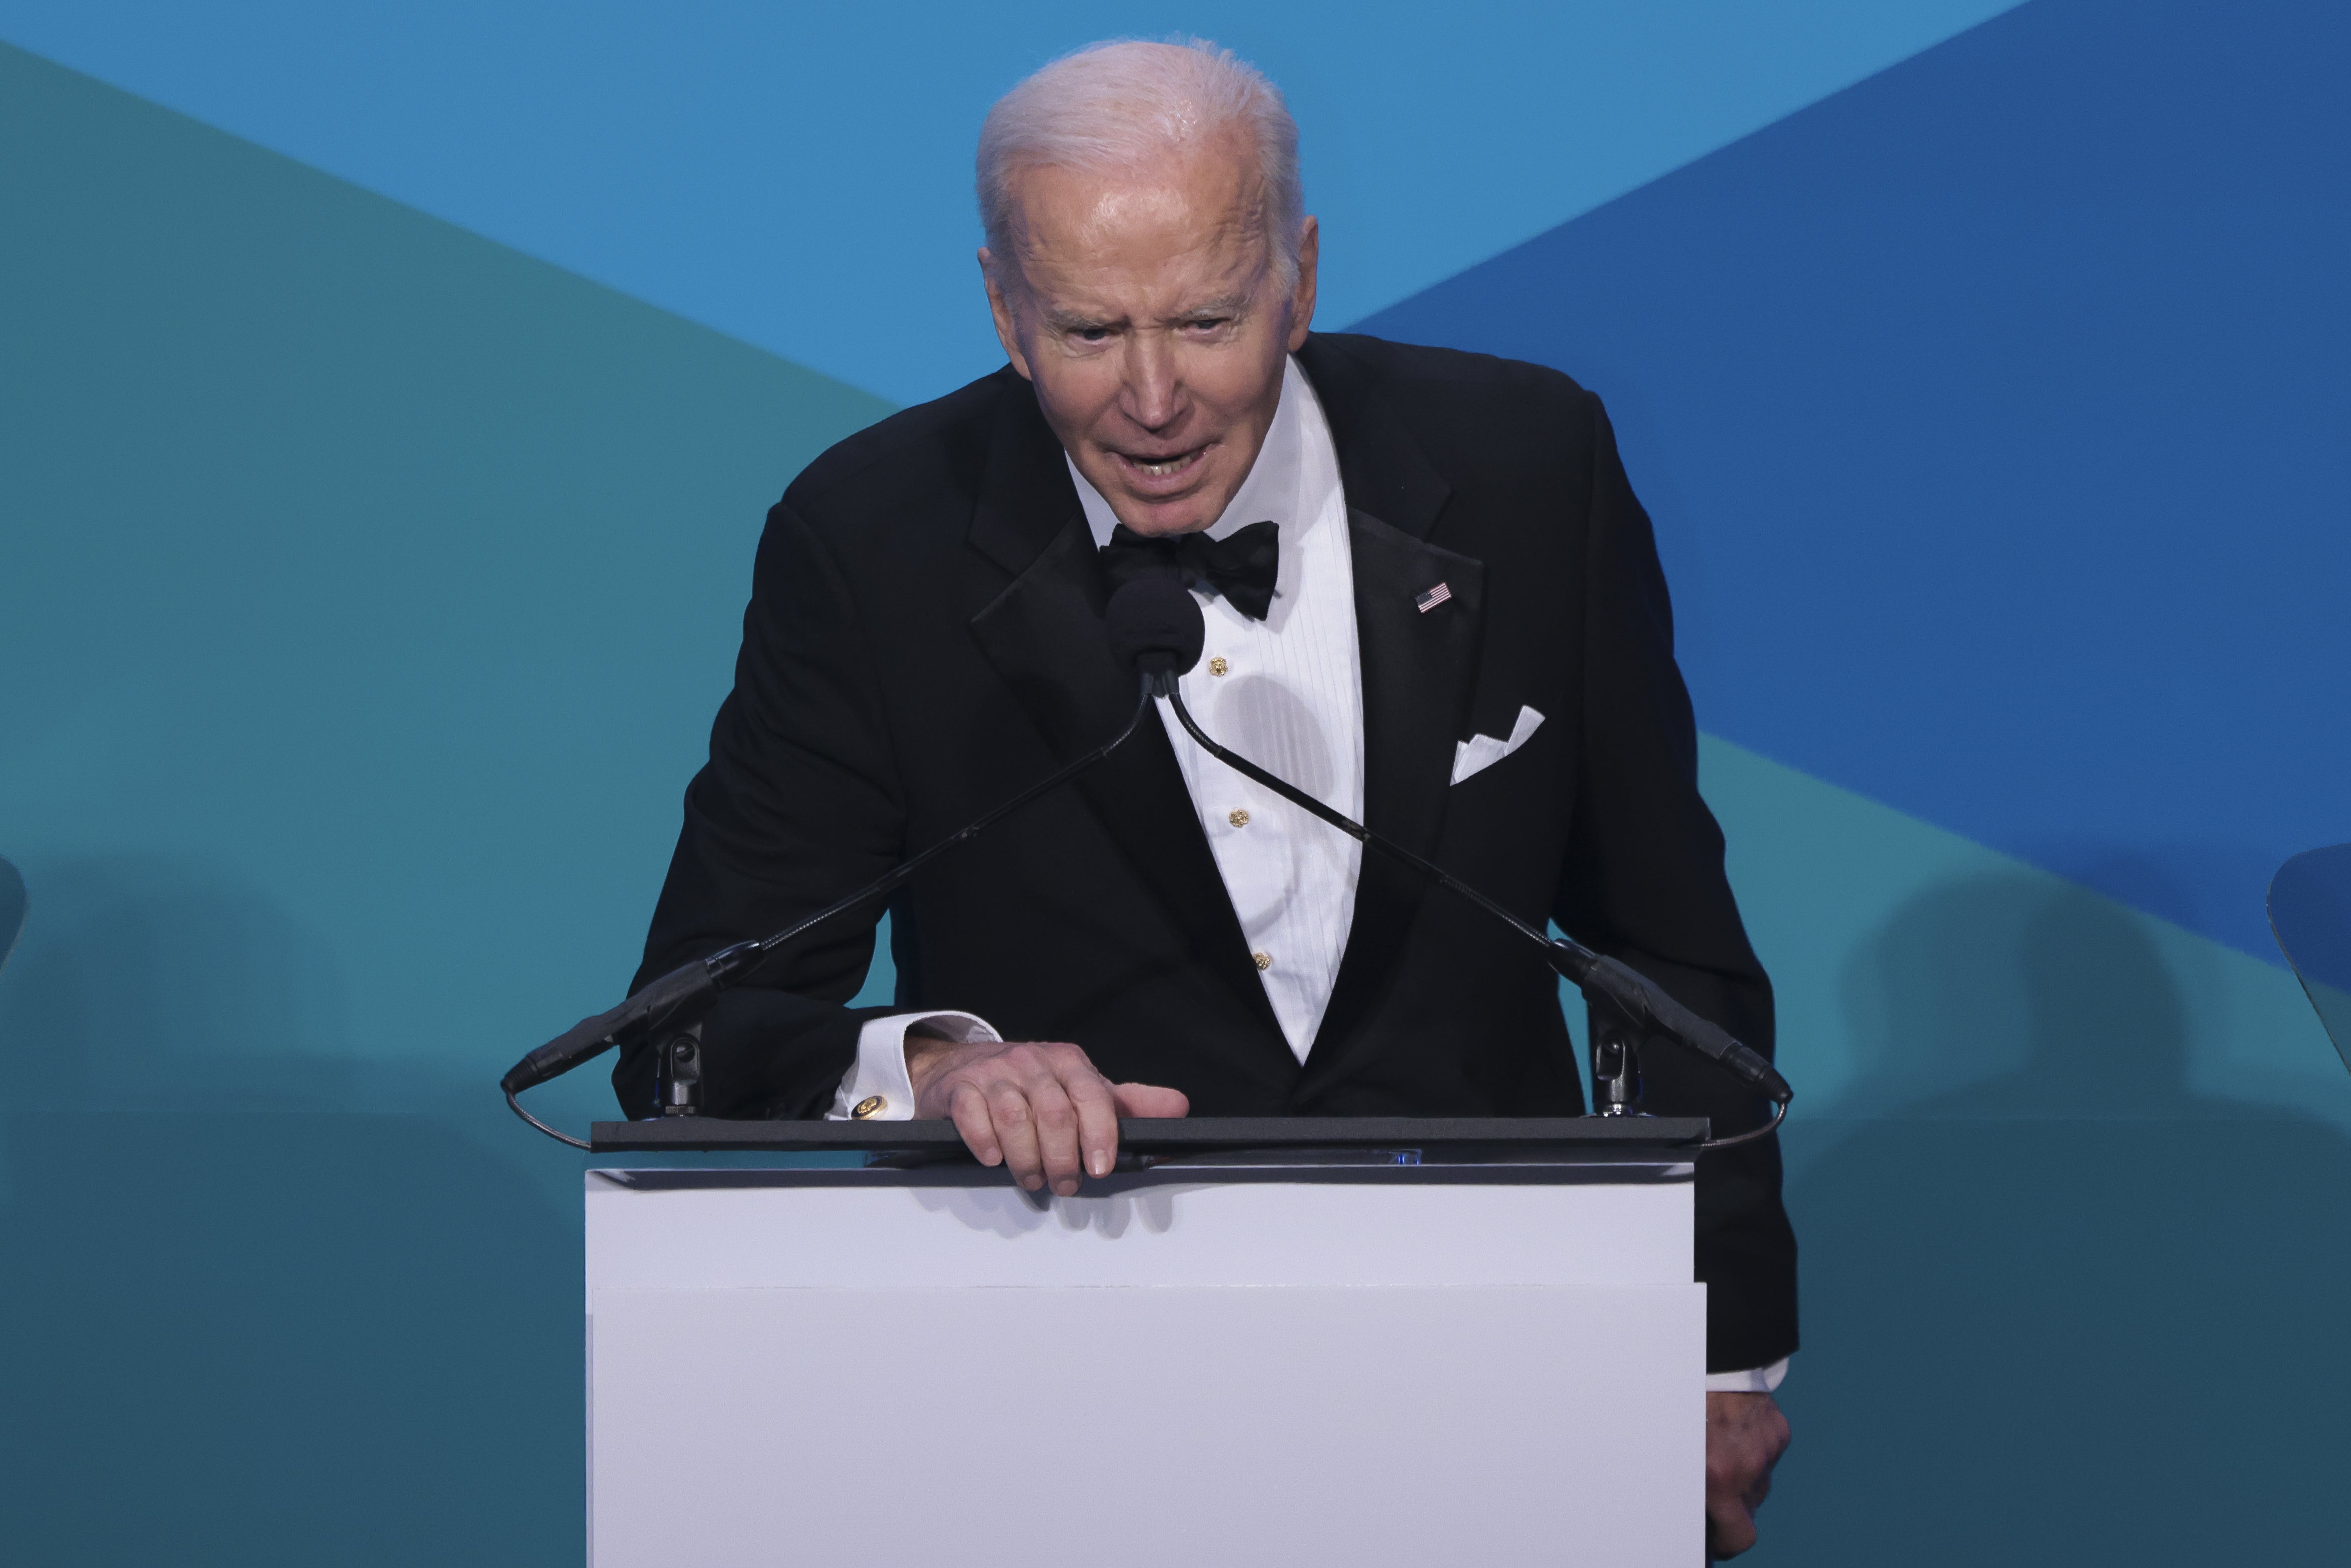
(1287, 693)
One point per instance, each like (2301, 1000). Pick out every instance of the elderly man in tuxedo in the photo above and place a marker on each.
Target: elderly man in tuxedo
(1432, 601)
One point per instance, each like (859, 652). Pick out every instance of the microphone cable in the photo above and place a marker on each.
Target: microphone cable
(1639, 999)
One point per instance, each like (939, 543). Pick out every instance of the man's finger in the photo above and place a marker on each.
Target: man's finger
(1015, 1130)
(969, 1111)
(1730, 1529)
(1097, 1119)
(1145, 1100)
(1776, 1436)
(1056, 1120)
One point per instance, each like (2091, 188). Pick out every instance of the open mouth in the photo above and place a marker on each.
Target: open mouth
(1162, 468)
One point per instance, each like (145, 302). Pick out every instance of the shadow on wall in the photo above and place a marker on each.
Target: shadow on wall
(2069, 1311)
(282, 1309)
(2017, 995)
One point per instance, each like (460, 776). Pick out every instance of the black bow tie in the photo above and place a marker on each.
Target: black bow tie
(1241, 568)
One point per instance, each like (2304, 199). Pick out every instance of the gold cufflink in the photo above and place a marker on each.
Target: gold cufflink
(870, 1106)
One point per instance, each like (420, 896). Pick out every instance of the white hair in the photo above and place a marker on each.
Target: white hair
(1118, 105)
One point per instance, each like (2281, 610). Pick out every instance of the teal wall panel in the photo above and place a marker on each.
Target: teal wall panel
(2071, 1185)
(365, 592)
(1913, 965)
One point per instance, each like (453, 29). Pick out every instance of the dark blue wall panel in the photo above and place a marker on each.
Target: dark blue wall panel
(1996, 419)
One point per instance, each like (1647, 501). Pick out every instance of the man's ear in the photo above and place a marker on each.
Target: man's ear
(1007, 330)
(1302, 299)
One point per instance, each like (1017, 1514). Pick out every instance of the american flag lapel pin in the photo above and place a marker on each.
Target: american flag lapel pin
(1432, 597)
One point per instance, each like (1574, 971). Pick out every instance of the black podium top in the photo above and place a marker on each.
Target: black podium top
(1454, 1140)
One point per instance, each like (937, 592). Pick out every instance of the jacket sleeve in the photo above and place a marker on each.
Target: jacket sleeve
(799, 803)
(1644, 883)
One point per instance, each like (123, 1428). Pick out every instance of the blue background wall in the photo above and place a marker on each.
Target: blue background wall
(377, 490)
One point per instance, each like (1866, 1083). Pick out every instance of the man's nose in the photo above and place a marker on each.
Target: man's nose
(1153, 392)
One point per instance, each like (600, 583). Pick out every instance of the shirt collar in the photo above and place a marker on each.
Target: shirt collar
(1271, 489)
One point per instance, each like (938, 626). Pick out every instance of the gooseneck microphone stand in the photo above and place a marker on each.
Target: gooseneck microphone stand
(671, 1008)
(1636, 1009)
(1156, 626)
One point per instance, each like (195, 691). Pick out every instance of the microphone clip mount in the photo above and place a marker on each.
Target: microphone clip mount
(1615, 1069)
(677, 1071)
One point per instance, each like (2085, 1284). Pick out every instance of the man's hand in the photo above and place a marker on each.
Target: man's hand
(1745, 1436)
(1039, 1108)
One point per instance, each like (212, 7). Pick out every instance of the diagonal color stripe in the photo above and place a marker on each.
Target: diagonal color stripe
(799, 176)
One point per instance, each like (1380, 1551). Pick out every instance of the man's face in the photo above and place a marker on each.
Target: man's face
(1144, 307)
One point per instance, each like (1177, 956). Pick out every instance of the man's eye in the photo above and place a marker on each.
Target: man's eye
(1093, 334)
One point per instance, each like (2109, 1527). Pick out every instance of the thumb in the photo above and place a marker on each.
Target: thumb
(1149, 1099)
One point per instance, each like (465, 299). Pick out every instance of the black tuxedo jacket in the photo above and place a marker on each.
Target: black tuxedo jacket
(924, 639)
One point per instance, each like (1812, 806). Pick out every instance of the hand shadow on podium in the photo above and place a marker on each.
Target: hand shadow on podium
(263, 1305)
(2073, 1312)
(1009, 1212)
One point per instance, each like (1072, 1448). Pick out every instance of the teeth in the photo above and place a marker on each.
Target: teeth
(1158, 470)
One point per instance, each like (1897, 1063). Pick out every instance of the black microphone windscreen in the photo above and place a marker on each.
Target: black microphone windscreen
(1155, 625)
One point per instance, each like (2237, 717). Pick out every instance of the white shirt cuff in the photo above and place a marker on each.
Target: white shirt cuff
(1761, 1380)
(878, 1088)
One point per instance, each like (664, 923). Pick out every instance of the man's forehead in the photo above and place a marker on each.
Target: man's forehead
(1178, 187)
(1088, 239)
(1077, 295)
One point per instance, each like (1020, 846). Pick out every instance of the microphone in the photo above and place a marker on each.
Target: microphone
(1156, 626)
(1144, 637)
(1180, 631)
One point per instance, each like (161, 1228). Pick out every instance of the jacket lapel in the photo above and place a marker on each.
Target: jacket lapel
(1419, 667)
(1382, 466)
(1044, 636)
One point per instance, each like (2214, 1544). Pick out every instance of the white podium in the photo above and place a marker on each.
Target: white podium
(1410, 1351)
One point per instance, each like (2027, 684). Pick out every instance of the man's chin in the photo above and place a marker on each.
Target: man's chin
(1155, 516)
(1158, 523)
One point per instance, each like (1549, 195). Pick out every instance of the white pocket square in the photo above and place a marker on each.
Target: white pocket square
(1482, 751)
